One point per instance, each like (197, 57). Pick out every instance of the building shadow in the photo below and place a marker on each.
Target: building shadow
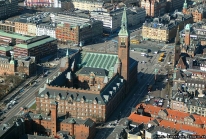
(103, 133)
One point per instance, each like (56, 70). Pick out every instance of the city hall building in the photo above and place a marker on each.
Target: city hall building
(91, 84)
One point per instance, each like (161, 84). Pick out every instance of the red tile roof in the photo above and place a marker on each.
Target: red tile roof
(173, 114)
(140, 118)
(164, 123)
(178, 126)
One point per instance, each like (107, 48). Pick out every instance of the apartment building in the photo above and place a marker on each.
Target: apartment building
(193, 33)
(173, 119)
(7, 65)
(164, 29)
(112, 20)
(198, 12)
(159, 132)
(5, 50)
(26, 24)
(46, 29)
(7, 26)
(8, 8)
(39, 47)
(154, 8)
(49, 126)
(88, 5)
(24, 66)
(43, 3)
(62, 32)
(70, 17)
(10, 39)
(182, 102)
(80, 29)
(69, 126)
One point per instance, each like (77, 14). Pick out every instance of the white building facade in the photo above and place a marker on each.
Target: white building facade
(43, 3)
(112, 20)
(87, 5)
(31, 29)
(46, 29)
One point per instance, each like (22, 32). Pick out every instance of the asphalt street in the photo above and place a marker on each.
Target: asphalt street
(10, 95)
(28, 96)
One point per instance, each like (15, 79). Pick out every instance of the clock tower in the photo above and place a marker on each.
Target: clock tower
(123, 47)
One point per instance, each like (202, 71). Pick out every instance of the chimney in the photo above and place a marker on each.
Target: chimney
(112, 1)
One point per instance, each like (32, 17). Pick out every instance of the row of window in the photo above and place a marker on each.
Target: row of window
(83, 106)
(196, 85)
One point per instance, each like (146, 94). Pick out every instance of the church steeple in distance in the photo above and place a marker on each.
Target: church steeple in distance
(67, 53)
(177, 50)
(185, 4)
(177, 38)
(184, 9)
(124, 30)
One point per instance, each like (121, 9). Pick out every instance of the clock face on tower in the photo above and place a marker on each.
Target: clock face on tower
(123, 42)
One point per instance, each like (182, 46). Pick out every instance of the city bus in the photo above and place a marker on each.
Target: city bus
(162, 55)
(134, 41)
(160, 59)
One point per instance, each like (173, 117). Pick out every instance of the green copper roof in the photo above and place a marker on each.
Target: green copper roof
(29, 46)
(72, 121)
(124, 31)
(14, 35)
(12, 60)
(188, 26)
(185, 4)
(99, 60)
(6, 48)
(118, 61)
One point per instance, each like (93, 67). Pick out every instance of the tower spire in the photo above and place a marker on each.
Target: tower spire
(185, 4)
(67, 54)
(177, 38)
(124, 31)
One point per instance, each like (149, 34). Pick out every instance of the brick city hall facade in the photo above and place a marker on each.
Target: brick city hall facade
(90, 84)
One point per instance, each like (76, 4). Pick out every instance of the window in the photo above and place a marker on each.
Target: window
(122, 44)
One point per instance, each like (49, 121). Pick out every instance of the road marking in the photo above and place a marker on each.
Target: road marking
(29, 95)
(140, 89)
